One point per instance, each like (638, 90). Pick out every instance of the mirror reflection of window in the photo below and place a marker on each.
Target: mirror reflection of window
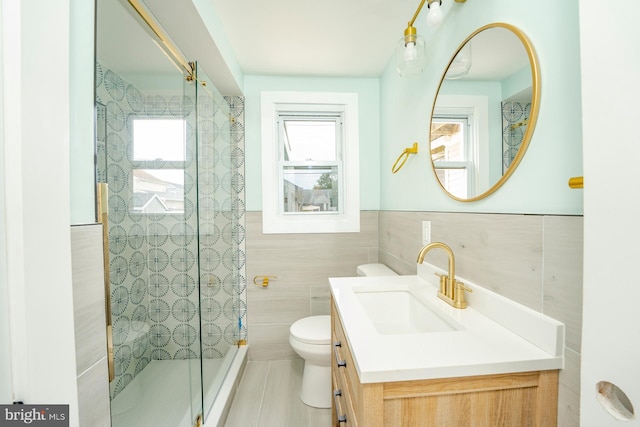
(452, 153)
(504, 70)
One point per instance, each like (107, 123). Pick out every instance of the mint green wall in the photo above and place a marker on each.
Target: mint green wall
(516, 83)
(494, 93)
(369, 118)
(555, 153)
(82, 194)
(214, 26)
(394, 112)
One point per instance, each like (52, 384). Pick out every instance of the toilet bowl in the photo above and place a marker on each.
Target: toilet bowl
(310, 337)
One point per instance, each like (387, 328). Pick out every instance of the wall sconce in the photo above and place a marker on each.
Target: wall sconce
(461, 64)
(410, 50)
(435, 16)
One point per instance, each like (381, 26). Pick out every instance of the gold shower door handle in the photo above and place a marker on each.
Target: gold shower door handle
(110, 359)
(103, 218)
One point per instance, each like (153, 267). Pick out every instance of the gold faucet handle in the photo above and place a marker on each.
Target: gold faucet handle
(443, 283)
(459, 301)
(461, 286)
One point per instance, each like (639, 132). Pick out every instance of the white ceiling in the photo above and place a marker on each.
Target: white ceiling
(124, 45)
(314, 37)
(353, 38)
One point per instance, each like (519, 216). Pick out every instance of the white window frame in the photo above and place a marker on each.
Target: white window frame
(468, 164)
(334, 114)
(274, 220)
(476, 109)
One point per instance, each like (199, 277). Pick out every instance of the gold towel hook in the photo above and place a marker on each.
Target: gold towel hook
(404, 156)
(263, 280)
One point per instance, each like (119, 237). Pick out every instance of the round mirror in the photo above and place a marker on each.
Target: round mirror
(485, 112)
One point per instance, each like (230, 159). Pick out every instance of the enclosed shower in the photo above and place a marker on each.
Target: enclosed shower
(170, 149)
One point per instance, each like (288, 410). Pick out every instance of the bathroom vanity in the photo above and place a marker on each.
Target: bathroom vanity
(469, 370)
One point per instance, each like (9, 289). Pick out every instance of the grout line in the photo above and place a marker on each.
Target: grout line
(93, 365)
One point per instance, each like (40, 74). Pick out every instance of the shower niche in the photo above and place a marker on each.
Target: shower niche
(169, 147)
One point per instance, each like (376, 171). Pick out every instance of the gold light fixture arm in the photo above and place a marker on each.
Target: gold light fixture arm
(415, 15)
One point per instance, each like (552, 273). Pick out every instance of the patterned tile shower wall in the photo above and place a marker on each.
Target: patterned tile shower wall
(515, 116)
(158, 250)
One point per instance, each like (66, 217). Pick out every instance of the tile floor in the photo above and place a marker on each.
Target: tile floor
(268, 397)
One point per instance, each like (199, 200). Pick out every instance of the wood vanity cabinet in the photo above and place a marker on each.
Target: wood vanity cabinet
(511, 400)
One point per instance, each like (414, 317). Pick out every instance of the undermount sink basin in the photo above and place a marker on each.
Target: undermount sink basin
(401, 312)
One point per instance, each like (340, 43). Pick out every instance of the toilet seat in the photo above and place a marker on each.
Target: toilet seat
(312, 330)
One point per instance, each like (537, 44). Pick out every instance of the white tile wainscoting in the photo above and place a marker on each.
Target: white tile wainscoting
(302, 263)
(90, 325)
(535, 260)
(532, 259)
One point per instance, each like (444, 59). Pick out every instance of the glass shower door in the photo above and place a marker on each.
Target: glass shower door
(165, 147)
(222, 309)
(148, 157)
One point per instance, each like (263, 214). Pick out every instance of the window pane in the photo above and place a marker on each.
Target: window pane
(454, 180)
(310, 189)
(158, 190)
(158, 139)
(309, 140)
(448, 139)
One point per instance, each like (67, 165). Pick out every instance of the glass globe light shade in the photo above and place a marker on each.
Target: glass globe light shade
(410, 56)
(461, 64)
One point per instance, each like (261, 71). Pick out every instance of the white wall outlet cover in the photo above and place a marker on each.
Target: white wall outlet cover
(426, 232)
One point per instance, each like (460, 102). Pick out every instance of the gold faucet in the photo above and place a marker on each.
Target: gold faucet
(451, 290)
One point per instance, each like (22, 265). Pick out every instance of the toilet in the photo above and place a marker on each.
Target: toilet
(374, 269)
(310, 338)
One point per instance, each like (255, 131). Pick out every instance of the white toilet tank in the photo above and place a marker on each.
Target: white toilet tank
(374, 269)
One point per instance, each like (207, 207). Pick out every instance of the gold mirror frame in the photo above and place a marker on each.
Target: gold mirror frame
(533, 115)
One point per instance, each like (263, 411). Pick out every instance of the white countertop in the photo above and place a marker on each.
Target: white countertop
(524, 340)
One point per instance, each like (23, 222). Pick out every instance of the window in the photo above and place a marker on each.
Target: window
(451, 151)
(310, 163)
(460, 143)
(158, 139)
(159, 161)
